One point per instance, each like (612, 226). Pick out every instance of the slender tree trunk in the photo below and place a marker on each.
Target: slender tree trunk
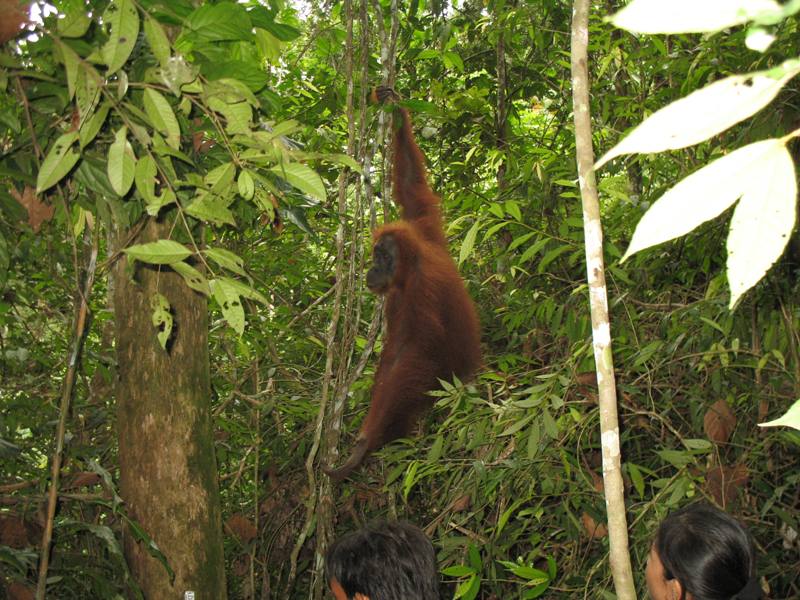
(168, 471)
(598, 296)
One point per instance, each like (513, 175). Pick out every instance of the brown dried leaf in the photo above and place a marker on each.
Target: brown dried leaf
(38, 212)
(724, 483)
(597, 482)
(81, 480)
(462, 503)
(14, 15)
(13, 533)
(241, 527)
(19, 591)
(592, 529)
(719, 422)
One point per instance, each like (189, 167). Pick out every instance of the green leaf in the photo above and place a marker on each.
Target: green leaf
(162, 118)
(71, 66)
(123, 22)
(211, 208)
(92, 125)
(238, 115)
(790, 419)
(230, 304)
(161, 318)
(245, 290)
(193, 278)
(59, 161)
(458, 571)
(468, 589)
(689, 16)
(157, 39)
(220, 179)
(699, 197)
(121, 162)
(452, 60)
(246, 185)
(469, 242)
(162, 252)
(702, 114)
(516, 426)
(763, 220)
(303, 178)
(73, 21)
(226, 259)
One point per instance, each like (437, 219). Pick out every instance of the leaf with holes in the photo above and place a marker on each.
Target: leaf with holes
(162, 319)
(193, 278)
(230, 304)
(122, 21)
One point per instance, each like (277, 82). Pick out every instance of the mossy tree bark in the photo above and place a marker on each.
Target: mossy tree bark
(168, 471)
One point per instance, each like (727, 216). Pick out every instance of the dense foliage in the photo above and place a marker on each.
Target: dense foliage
(239, 112)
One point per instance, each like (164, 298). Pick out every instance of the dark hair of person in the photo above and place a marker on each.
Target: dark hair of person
(709, 553)
(385, 561)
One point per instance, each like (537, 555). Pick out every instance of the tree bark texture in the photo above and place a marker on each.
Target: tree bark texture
(168, 470)
(598, 297)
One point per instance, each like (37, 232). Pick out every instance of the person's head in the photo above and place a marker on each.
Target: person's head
(701, 553)
(383, 561)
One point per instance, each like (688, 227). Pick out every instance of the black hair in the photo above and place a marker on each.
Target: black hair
(386, 560)
(709, 553)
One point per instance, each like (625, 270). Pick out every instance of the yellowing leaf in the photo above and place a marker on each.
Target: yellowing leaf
(123, 23)
(763, 220)
(699, 197)
(689, 16)
(704, 113)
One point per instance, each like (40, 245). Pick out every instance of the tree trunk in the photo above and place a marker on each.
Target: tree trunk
(168, 471)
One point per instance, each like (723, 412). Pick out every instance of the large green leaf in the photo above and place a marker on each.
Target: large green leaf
(123, 22)
(121, 163)
(59, 161)
(162, 252)
(157, 39)
(193, 278)
(162, 118)
(303, 178)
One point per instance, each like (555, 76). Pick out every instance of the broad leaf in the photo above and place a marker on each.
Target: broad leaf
(73, 21)
(59, 161)
(226, 259)
(303, 178)
(699, 197)
(92, 125)
(245, 290)
(230, 303)
(212, 208)
(121, 163)
(246, 185)
(689, 16)
(193, 278)
(162, 252)
(157, 39)
(469, 242)
(162, 118)
(790, 419)
(763, 220)
(123, 23)
(704, 113)
(71, 66)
